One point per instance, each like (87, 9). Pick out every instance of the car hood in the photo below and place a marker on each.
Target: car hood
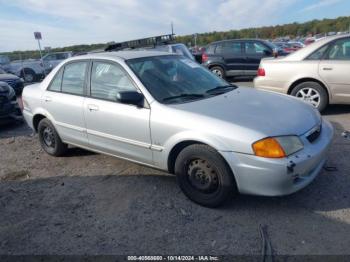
(8, 77)
(268, 113)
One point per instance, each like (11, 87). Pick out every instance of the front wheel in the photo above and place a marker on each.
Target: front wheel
(312, 93)
(49, 139)
(203, 175)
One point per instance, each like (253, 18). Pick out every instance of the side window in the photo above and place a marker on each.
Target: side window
(56, 82)
(109, 79)
(340, 50)
(318, 54)
(232, 48)
(219, 48)
(255, 48)
(210, 49)
(74, 78)
(228, 48)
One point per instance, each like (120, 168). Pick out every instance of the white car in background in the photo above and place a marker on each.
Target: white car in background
(318, 74)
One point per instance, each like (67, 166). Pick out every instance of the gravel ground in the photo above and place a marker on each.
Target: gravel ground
(87, 203)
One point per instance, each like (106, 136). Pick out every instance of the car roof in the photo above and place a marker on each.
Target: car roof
(306, 51)
(124, 55)
(241, 39)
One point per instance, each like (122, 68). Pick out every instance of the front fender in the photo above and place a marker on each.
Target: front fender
(161, 157)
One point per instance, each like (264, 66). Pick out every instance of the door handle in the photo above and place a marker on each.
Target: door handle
(327, 68)
(93, 107)
(47, 99)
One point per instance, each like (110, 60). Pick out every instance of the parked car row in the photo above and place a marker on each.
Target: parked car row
(317, 74)
(32, 70)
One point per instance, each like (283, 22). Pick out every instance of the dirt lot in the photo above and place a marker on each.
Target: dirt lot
(86, 203)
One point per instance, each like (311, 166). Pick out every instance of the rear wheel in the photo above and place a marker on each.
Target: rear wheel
(204, 176)
(312, 93)
(49, 139)
(219, 71)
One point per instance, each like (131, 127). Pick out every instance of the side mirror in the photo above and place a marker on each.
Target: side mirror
(130, 97)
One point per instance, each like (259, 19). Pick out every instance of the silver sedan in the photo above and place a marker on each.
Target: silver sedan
(170, 113)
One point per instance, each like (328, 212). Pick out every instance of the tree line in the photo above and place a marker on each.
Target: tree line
(267, 32)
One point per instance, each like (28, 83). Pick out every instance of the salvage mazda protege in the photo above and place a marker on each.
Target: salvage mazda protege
(168, 112)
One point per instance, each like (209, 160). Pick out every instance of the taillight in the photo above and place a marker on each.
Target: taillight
(261, 72)
(204, 57)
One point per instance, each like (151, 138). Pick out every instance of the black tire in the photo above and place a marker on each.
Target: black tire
(221, 184)
(45, 130)
(28, 75)
(316, 87)
(219, 71)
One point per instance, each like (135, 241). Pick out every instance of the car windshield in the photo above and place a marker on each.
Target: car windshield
(177, 79)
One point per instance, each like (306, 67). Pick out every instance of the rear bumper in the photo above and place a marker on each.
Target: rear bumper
(264, 83)
(28, 117)
(272, 177)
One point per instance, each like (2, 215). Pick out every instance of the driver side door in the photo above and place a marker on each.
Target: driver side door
(113, 127)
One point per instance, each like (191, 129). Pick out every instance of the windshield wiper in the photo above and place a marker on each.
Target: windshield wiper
(183, 96)
(221, 89)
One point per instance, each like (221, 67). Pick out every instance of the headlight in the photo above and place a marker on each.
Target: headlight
(11, 94)
(277, 147)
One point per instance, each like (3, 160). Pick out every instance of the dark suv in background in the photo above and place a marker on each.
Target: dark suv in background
(238, 57)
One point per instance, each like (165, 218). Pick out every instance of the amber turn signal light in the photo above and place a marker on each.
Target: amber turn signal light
(268, 147)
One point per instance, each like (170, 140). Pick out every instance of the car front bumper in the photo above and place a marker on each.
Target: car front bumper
(277, 177)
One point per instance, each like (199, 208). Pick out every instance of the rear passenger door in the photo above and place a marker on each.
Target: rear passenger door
(113, 127)
(254, 51)
(64, 100)
(234, 59)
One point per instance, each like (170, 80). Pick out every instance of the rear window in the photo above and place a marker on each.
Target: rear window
(318, 54)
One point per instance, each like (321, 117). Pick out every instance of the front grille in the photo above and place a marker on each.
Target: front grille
(314, 135)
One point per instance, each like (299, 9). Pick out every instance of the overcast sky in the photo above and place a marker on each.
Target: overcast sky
(69, 22)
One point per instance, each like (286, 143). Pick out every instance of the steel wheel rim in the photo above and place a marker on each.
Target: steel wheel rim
(217, 72)
(49, 137)
(202, 176)
(309, 95)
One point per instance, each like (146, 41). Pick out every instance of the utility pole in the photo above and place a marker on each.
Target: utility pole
(172, 28)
